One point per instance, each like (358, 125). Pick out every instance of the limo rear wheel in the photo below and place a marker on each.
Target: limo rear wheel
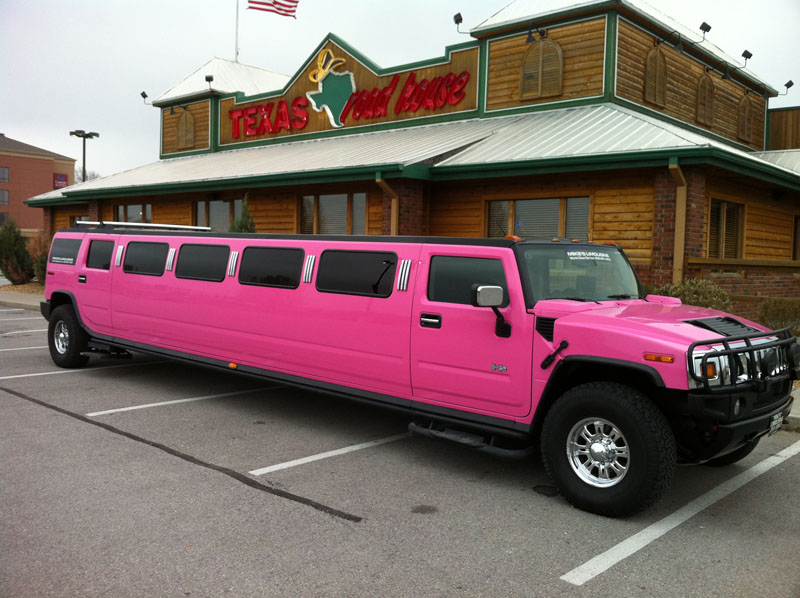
(608, 448)
(66, 338)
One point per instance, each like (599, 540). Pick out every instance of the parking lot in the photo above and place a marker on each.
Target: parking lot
(144, 477)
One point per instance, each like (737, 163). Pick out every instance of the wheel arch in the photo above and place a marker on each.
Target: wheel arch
(575, 370)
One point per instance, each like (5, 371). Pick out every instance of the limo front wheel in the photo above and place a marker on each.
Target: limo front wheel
(66, 339)
(608, 448)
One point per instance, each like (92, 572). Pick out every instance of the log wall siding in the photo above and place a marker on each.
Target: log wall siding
(583, 50)
(201, 112)
(63, 215)
(621, 206)
(768, 223)
(683, 75)
(784, 129)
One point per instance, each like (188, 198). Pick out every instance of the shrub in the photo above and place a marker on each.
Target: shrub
(780, 312)
(244, 223)
(15, 263)
(38, 249)
(697, 291)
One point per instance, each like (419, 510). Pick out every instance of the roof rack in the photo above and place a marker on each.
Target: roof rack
(142, 225)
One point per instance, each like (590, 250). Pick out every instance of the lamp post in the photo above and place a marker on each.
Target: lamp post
(84, 135)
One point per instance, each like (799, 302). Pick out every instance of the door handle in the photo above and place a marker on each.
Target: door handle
(430, 320)
(82, 279)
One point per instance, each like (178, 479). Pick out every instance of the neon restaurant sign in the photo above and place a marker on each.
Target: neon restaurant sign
(330, 97)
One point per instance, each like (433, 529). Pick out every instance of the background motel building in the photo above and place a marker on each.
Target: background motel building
(604, 120)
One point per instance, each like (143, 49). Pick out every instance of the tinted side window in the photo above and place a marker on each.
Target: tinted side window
(369, 273)
(272, 267)
(145, 258)
(451, 278)
(64, 251)
(203, 262)
(100, 255)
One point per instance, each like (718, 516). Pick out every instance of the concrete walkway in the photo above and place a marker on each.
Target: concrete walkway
(28, 301)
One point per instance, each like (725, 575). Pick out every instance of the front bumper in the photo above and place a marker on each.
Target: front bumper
(44, 307)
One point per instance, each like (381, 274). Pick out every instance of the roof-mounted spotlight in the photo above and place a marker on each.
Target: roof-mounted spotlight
(144, 98)
(209, 79)
(458, 19)
(747, 56)
(542, 34)
(788, 85)
(705, 28)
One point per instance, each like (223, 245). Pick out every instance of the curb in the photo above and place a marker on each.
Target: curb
(19, 305)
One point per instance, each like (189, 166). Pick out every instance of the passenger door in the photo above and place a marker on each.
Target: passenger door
(457, 359)
(94, 283)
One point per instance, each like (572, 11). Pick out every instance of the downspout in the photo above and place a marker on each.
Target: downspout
(387, 190)
(679, 248)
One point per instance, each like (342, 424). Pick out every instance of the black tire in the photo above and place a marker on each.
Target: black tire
(633, 454)
(732, 457)
(66, 338)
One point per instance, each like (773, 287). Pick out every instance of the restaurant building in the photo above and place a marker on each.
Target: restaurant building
(604, 120)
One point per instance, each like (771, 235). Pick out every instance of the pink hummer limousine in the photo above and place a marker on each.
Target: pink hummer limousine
(496, 344)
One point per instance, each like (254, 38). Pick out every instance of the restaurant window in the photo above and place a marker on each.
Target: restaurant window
(334, 214)
(73, 220)
(3, 174)
(566, 217)
(725, 229)
(541, 71)
(655, 77)
(217, 214)
(138, 213)
(3, 218)
(705, 100)
(3, 197)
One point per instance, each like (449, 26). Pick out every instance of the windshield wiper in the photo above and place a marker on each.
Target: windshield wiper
(622, 296)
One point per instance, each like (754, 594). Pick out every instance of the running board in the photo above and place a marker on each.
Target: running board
(470, 440)
(99, 347)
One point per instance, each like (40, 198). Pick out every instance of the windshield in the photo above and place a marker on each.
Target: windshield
(579, 273)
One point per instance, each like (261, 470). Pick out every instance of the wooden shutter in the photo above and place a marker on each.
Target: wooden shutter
(724, 229)
(541, 70)
(714, 224)
(705, 100)
(745, 119)
(655, 77)
(186, 130)
(733, 214)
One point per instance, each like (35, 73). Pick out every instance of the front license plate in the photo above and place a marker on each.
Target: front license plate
(775, 423)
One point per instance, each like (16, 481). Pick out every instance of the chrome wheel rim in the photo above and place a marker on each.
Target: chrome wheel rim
(61, 337)
(598, 452)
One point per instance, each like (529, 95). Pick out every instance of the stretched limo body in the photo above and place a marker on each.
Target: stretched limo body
(493, 343)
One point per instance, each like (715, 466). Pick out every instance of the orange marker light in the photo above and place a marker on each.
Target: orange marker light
(659, 358)
(233, 366)
(711, 370)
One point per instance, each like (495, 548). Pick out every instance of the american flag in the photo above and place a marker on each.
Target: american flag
(285, 8)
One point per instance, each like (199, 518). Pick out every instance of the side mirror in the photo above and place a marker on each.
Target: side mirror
(484, 295)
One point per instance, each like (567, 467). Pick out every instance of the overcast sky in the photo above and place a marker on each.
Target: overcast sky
(81, 64)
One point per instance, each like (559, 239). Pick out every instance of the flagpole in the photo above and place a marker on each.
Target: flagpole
(236, 53)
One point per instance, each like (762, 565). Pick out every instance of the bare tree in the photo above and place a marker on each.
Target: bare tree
(90, 174)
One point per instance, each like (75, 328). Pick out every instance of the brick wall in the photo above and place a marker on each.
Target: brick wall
(413, 218)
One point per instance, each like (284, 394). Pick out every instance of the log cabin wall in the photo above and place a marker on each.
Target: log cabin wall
(683, 74)
(621, 205)
(583, 51)
(176, 123)
(784, 129)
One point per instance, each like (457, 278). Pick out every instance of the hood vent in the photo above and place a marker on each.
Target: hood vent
(724, 326)
(545, 327)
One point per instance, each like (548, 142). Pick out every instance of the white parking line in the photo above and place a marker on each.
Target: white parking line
(79, 370)
(602, 562)
(175, 402)
(4, 311)
(24, 348)
(22, 332)
(334, 453)
(20, 319)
